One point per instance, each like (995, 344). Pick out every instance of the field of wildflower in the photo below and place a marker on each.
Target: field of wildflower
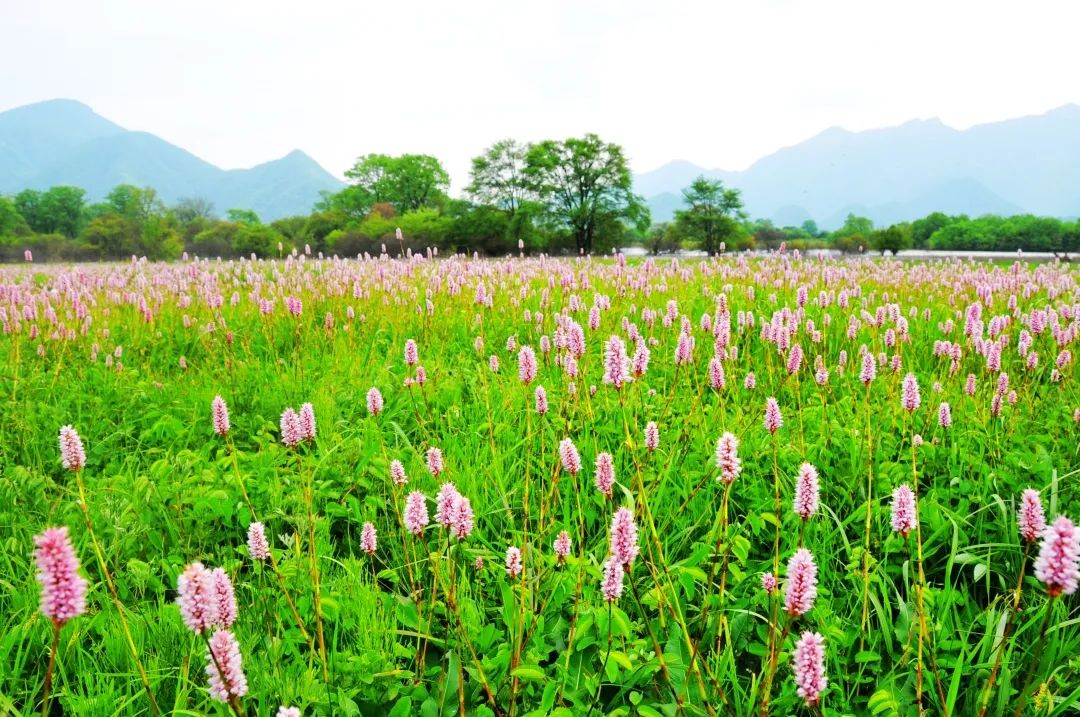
(535, 486)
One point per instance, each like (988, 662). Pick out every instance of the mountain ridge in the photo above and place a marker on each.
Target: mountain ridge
(64, 141)
(1022, 164)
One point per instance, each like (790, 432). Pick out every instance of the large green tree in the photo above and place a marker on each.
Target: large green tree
(11, 222)
(585, 186)
(711, 215)
(408, 182)
(498, 180)
(59, 210)
(138, 204)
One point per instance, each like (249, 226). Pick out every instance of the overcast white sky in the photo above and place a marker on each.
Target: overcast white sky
(718, 83)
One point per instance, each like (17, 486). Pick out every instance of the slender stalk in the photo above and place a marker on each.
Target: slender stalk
(603, 669)
(313, 561)
(49, 669)
(866, 534)
(774, 658)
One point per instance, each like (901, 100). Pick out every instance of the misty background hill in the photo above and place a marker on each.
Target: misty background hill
(1024, 165)
(65, 142)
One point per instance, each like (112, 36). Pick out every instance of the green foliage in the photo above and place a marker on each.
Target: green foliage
(137, 204)
(409, 182)
(662, 239)
(55, 211)
(11, 222)
(711, 217)
(854, 226)
(993, 233)
(585, 186)
(420, 627)
(892, 239)
(242, 216)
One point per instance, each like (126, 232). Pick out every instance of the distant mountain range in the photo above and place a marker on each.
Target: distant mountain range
(66, 142)
(1028, 164)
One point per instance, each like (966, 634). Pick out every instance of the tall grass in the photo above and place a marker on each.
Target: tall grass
(953, 619)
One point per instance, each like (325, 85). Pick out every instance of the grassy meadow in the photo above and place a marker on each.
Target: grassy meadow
(673, 616)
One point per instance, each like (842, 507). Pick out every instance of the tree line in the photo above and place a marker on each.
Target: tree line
(556, 196)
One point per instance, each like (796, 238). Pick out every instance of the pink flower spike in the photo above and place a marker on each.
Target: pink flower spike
(612, 584)
(904, 516)
(291, 431)
(434, 461)
(1032, 518)
(605, 473)
(397, 473)
(412, 353)
(513, 561)
(1058, 564)
(367, 539)
(624, 537)
(461, 517)
(652, 436)
(769, 583)
(910, 398)
(540, 396)
(374, 401)
(568, 453)
(773, 419)
(801, 583)
(415, 517)
(197, 598)
(562, 546)
(63, 590)
(727, 458)
(221, 416)
(284, 711)
(444, 504)
(527, 365)
(72, 453)
(807, 492)
(868, 372)
(226, 598)
(944, 415)
(808, 663)
(616, 363)
(230, 682)
(258, 545)
(307, 422)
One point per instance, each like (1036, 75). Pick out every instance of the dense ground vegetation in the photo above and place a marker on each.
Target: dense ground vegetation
(637, 454)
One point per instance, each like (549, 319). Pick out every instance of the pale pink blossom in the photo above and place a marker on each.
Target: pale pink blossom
(605, 473)
(368, 540)
(230, 682)
(624, 536)
(727, 458)
(612, 584)
(808, 664)
(220, 414)
(806, 492)
(1058, 564)
(801, 583)
(63, 590)
(903, 509)
(258, 545)
(72, 453)
(1031, 517)
(513, 561)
